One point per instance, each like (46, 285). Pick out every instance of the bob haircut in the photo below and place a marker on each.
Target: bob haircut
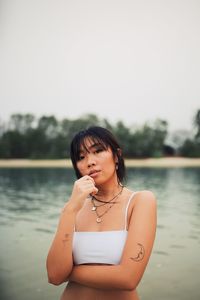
(100, 136)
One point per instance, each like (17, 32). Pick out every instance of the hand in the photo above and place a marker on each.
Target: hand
(83, 187)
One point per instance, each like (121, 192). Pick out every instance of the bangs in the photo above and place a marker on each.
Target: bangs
(84, 142)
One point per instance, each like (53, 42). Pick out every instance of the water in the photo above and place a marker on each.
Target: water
(30, 204)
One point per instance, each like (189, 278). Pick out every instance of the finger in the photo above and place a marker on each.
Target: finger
(95, 191)
(87, 177)
(89, 185)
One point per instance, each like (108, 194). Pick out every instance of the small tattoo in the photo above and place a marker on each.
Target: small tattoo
(66, 238)
(140, 254)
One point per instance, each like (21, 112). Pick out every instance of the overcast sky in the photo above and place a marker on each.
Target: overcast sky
(129, 60)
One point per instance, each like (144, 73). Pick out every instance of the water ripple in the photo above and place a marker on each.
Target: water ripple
(161, 252)
(44, 230)
(177, 246)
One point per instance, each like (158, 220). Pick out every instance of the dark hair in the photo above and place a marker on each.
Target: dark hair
(103, 137)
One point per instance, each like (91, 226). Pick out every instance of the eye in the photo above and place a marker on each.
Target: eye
(98, 150)
(81, 157)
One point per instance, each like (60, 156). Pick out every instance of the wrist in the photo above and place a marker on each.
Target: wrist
(69, 207)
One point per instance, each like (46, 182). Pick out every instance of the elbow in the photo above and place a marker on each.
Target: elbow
(55, 280)
(131, 284)
(57, 276)
(127, 280)
(53, 276)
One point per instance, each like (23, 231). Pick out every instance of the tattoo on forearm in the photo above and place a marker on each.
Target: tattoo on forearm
(140, 254)
(66, 238)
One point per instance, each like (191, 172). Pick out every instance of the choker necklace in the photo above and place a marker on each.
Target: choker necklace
(109, 201)
(95, 207)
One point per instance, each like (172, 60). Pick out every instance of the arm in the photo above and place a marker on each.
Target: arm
(136, 252)
(59, 260)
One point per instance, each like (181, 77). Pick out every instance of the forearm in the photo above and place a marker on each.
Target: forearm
(59, 259)
(102, 277)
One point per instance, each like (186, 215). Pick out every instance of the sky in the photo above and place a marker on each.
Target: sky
(127, 60)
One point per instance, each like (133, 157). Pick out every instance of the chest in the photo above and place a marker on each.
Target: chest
(112, 218)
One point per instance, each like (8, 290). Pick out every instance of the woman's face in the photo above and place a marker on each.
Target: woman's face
(97, 162)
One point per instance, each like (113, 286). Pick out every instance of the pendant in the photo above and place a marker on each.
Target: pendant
(94, 208)
(98, 220)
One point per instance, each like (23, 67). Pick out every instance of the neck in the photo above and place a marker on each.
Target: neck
(106, 192)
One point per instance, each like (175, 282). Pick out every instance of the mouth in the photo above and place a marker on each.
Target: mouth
(94, 173)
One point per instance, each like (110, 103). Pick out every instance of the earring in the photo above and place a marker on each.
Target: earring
(116, 165)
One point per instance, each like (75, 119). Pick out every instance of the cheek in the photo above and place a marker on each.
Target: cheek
(109, 162)
(79, 167)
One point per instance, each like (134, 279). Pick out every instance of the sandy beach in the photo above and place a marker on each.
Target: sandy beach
(66, 163)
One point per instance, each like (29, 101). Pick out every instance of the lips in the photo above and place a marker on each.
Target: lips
(94, 173)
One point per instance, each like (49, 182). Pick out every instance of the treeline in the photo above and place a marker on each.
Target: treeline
(191, 146)
(25, 136)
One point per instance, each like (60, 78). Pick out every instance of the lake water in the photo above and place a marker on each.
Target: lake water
(30, 204)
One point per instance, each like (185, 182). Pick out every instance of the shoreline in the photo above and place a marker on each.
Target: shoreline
(166, 162)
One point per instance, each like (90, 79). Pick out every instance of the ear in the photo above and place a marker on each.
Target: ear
(119, 153)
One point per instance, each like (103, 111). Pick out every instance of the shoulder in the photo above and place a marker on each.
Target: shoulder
(144, 199)
(144, 208)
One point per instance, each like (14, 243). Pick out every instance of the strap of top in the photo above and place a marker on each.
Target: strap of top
(126, 213)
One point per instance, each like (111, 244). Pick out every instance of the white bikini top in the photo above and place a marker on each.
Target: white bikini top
(103, 247)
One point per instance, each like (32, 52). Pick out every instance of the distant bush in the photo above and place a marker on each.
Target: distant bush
(24, 136)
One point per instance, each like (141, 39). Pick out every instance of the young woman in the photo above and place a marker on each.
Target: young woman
(106, 231)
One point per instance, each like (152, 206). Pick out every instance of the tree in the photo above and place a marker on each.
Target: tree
(148, 140)
(21, 123)
(190, 148)
(196, 123)
(49, 126)
(122, 134)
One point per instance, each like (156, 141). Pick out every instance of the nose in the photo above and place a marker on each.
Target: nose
(91, 160)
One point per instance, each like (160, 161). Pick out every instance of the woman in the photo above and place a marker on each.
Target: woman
(106, 231)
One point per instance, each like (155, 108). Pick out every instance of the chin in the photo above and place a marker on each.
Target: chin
(98, 181)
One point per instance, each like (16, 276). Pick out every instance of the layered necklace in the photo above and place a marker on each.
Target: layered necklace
(95, 207)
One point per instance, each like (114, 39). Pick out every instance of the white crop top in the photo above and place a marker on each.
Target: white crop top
(103, 247)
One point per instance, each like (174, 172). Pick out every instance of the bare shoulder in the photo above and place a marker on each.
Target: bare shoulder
(144, 207)
(145, 195)
(145, 198)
